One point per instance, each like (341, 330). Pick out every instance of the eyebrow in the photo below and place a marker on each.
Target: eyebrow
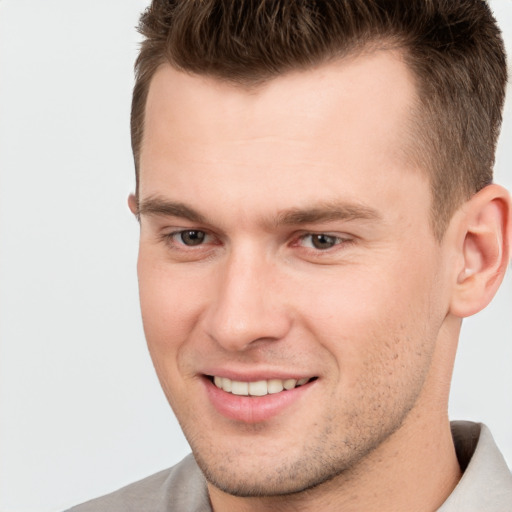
(321, 212)
(327, 212)
(160, 206)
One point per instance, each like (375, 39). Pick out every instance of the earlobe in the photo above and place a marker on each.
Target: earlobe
(484, 248)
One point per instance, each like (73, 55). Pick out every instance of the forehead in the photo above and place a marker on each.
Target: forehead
(316, 96)
(334, 127)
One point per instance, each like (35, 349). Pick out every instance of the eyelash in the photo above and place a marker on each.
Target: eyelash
(336, 240)
(170, 240)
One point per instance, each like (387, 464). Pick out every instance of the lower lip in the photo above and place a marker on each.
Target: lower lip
(253, 409)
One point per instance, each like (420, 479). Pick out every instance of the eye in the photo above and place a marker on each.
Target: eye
(191, 237)
(184, 245)
(320, 241)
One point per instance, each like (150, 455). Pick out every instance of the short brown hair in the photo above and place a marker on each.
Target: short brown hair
(453, 47)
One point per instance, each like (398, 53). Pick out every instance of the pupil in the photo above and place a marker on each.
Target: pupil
(192, 237)
(323, 241)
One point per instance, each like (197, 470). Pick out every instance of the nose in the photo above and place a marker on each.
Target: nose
(247, 306)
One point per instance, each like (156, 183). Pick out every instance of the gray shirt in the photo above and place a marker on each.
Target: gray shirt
(485, 486)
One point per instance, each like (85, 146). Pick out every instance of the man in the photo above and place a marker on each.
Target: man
(317, 212)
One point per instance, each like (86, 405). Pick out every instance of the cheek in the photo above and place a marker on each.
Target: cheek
(372, 315)
(360, 294)
(170, 306)
(168, 320)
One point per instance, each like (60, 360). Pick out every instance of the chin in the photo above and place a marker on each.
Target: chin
(246, 477)
(270, 487)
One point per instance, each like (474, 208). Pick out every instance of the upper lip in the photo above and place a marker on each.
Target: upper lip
(256, 375)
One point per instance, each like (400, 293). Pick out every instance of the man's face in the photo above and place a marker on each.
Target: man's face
(285, 240)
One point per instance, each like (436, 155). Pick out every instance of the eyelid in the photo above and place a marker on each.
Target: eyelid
(171, 237)
(339, 237)
(180, 235)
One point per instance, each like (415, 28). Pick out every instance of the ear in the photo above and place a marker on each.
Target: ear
(484, 249)
(133, 204)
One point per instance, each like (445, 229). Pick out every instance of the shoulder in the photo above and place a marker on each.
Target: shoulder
(181, 487)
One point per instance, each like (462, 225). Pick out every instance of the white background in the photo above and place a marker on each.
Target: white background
(81, 412)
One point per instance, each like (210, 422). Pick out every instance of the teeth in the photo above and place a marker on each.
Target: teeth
(226, 384)
(257, 388)
(289, 383)
(274, 386)
(239, 388)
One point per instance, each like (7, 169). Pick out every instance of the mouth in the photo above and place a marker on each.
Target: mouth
(259, 387)
(258, 400)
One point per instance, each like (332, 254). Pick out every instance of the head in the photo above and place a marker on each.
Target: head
(453, 49)
(314, 216)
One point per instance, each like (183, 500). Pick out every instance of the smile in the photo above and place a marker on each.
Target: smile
(260, 387)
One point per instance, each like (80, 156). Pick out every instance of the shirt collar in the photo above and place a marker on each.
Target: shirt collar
(486, 483)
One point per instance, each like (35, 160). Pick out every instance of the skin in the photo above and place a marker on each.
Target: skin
(374, 317)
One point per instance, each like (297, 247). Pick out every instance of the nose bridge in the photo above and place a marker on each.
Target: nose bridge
(245, 307)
